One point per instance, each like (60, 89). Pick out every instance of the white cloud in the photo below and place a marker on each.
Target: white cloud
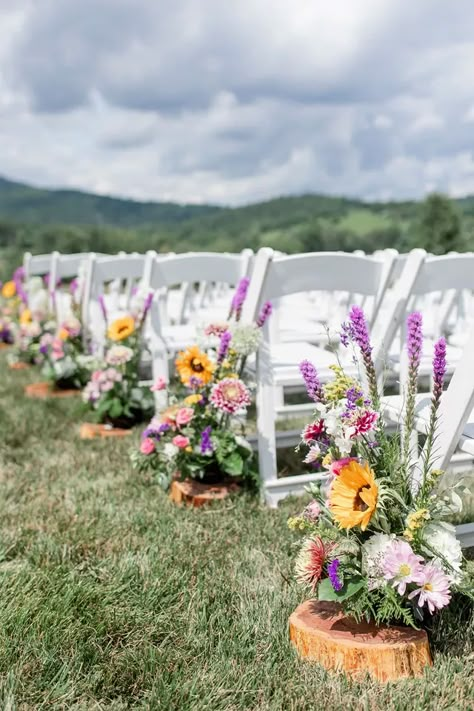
(200, 100)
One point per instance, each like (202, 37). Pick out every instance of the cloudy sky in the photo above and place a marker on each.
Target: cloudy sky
(233, 102)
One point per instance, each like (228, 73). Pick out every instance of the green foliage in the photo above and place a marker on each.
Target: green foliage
(439, 228)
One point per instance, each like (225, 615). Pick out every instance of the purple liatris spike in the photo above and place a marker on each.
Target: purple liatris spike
(311, 380)
(223, 347)
(264, 314)
(147, 304)
(336, 581)
(439, 367)
(103, 307)
(359, 330)
(239, 297)
(73, 286)
(206, 443)
(414, 338)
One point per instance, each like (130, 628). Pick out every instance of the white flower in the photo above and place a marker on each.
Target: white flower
(170, 450)
(245, 338)
(441, 537)
(373, 552)
(313, 454)
(118, 355)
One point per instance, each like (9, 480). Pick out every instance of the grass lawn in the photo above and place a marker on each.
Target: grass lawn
(112, 598)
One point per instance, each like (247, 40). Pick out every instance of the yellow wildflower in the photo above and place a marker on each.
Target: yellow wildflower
(193, 399)
(415, 520)
(337, 388)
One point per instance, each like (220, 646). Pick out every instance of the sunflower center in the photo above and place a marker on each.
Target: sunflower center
(122, 329)
(404, 570)
(360, 505)
(197, 366)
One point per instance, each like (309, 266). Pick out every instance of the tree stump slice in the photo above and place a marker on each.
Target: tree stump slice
(3, 346)
(194, 493)
(44, 390)
(321, 632)
(90, 430)
(19, 365)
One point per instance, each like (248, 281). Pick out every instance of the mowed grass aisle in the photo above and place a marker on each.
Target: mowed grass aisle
(113, 598)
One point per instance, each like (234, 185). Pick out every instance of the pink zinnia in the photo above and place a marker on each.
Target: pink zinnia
(159, 384)
(230, 395)
(401, 566)
(184, 416)
(338, 464)
(434, 590)
(147, 446)
(180, 441)
(312, 431)
(310, 561)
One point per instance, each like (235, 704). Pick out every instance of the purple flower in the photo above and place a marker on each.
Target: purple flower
(73, 286)
(150, 431)
(310, 377)
(264, 314)
(439, 365)
(356, 330)
(336, 582)
(103, 307)
(194, 382)
(239, 297)
(414, 338)
(223, 346)
(206, 443)
(19, 275)
(147, 304)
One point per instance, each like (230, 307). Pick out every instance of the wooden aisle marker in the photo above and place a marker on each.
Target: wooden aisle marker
(19, 365)
(43, 390)
(89, 430)
(322, 633)
(195, 493)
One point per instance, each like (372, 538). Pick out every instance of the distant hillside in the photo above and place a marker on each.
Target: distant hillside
(26, 204)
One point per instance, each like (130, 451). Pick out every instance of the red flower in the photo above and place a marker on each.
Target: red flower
(313, 431)
(365, 422)
(311, 560)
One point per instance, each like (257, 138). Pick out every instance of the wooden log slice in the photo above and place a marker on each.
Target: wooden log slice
(322, 633)
(19, 365)
(195, 493)
(89, 430)
(44, 390)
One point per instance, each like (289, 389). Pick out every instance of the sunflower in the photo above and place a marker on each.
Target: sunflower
(9, 289)
(121, 328)
(354, 495)
(25, 317)
(193, 363)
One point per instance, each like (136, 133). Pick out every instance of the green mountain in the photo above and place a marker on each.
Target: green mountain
(73, 221)
(26, 204)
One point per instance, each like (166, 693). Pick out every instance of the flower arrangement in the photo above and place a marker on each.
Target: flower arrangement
(201, 434)
(376, 535)
(65, 364)
(114, 392)
(12, 300)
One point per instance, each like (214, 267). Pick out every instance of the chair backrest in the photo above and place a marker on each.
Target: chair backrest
(37, 265)
(186, 270)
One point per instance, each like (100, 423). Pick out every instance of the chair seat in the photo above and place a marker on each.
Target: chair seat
(393, 407)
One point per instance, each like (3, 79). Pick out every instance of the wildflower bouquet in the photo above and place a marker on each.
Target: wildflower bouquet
(114, 392)
(376, 535)
(65, 364)
(201, 435)
(12, 299)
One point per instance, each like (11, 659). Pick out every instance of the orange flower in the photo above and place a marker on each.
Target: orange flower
(25, 317)
(63, 334)
(193, 363)
(354, 495)
(9, 289)
(121, 328)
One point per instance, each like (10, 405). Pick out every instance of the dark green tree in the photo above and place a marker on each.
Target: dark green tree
(439, 228)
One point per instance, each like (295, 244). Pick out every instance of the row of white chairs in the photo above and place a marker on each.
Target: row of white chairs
(386, 284)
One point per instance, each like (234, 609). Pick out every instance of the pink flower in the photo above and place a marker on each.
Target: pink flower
(401, 566)
(159, 384)
(434, 590)
(312, 511)
(180, 441)
(230, 395)
(312, 431)
(184, 416)
(365, 422)
(338, 464)
(96, 376)
(147, 446)
(313, 454)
